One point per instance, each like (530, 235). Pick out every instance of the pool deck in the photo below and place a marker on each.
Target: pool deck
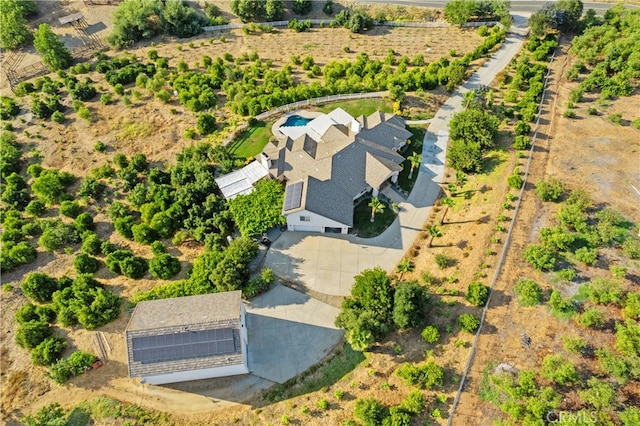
(275, 129)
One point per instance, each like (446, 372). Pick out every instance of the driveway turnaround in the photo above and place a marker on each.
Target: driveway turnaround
(288, 333)
(327, 263)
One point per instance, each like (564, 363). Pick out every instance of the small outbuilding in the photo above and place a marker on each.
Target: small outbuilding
(188, 338)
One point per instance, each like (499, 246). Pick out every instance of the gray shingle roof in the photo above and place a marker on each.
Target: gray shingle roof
(329, 200)
(185, 311)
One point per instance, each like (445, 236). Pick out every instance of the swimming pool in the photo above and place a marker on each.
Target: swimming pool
(296, 121)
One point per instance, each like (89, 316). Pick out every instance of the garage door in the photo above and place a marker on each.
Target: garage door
(308, 228)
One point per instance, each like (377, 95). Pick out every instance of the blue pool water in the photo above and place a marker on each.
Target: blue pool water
(297, 121)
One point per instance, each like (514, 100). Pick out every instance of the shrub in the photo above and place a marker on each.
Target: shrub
(91, 244)
(84, 222)
(540, 257)
(322, 404)
(469, 322)
(206, 124)
(569, 113)
(58, 117)
(48, 351)
(40, 287)
(559, 370)
(561, 307)
(70, 209)
(414, 402)
(529, 292)
(410, 303)
(31, 334)
(164, 266)
(64, 369)
(370, 411)
(573, 344)
(36, 208)
(124, 262)
(26, 313)
(477, 293)
(615, 118)
(550, 190)
(592, 318)
(515, 180)
(522, 142)
(430, 334)
(85, 264)
(427, 375)
(442, 261)
(588, 256)
(522, 128)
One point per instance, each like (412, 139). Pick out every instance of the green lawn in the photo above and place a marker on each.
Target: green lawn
(362, 224)
(252, 141)
(415, 146)
(359, 107)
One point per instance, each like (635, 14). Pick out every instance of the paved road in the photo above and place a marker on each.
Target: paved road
(327, 263)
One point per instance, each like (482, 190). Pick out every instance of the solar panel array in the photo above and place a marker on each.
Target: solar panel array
(293, 196)
(189, 344)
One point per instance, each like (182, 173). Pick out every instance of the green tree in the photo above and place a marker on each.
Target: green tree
(48, 351)
(39, 287)
(473, 125)
(370, 411)
(31, 334)
(409, 304)
(434, 232)
(465, 157)
(540, 257)
(416, 160)
(14, 31)
(164, 266)
(274, 10)
(206, 124)
(51, 185)
(558, 369)
(53, 52)
(427, 375)
(85, 264)
(469, 322)
(377, 206)
(302, 7)
(569, 13)
(135, 20)
(529, 292)
(181, 20)
(430, 334)
(248, 10)
(70, 208)
(477, 293)
(457, 12)
(260, 210)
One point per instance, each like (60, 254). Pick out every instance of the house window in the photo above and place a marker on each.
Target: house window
(305, 219)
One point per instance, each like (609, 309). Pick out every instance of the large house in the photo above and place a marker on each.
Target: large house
(330, 162)
(188, 338)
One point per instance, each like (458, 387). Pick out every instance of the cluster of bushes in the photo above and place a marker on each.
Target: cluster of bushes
(608, 48)
(16, 249)
(260, 210)
(269, 10)
(134, 21)
(217, 270)
(581, 230)
(376, 307)
(541, 48)
(529, 78)
(519, 396)
(76, 364)
(370, 411)
(427, 375)
(14, 31)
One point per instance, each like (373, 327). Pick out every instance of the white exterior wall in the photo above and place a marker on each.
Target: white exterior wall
(205, 373)
(316, 223)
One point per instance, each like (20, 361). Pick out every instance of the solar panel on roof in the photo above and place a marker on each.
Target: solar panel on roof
(293, 196)
(191, 344)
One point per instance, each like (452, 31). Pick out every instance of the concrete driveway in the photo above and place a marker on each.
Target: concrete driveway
(288, 333)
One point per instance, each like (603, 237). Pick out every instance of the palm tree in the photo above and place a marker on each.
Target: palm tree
(377, 206)
(415, 159)
(405, 265)
(435, 232)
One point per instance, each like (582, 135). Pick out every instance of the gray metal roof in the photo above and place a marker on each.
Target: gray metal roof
(185, 311)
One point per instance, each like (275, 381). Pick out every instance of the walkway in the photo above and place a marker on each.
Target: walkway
(327, 263)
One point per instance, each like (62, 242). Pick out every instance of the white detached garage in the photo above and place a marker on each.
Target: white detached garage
(188, 338)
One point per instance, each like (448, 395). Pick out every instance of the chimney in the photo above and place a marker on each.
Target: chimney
(355, 126)
(265, 160)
